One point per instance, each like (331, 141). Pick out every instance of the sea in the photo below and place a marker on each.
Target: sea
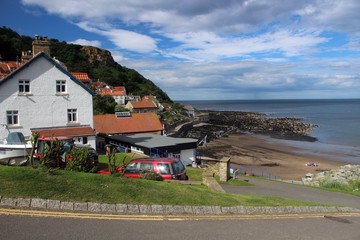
(338, 120)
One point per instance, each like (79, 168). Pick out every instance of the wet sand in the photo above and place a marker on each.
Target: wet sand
(267, 156)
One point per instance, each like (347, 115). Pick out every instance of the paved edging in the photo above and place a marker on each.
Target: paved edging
(48, 204)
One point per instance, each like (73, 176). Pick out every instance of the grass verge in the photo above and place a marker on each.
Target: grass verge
(63, 185)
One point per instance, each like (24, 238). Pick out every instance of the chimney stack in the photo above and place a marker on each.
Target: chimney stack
(41, 44)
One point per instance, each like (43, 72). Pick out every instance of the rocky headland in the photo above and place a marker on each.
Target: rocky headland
(215, 124)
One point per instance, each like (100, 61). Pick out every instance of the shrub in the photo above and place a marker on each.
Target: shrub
(78, 159)
(151, 176)
(332, 184)
(355, 184)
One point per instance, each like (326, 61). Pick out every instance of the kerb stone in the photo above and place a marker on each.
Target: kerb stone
(94, 207)
(23, 202)
(109, 208)
(10, 202)
(80, 206)
(67, 206)
(38, 203)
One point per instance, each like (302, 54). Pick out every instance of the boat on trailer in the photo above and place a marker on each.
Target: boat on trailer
(14, 150)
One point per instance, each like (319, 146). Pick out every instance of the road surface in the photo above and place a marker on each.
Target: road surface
(87, 226)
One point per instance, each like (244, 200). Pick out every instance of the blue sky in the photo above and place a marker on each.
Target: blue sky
(209, 50)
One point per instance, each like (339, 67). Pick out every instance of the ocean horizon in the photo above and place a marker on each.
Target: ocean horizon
(338, 131)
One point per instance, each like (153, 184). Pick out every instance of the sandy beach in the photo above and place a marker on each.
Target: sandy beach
(267, 156)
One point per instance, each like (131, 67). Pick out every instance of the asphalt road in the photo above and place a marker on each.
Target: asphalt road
(15, 227)
(293, 191)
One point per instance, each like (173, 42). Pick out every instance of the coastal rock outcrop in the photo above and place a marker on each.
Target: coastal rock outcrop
(261, 123)
(341, 176)
(222, 123)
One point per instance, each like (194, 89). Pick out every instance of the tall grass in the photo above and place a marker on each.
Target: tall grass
(353, 187)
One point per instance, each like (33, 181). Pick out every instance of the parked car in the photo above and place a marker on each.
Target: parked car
(167, 168)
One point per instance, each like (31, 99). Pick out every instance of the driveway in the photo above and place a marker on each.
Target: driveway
(293, 191)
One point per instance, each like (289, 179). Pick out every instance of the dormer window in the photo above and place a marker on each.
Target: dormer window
(60, 86)
(24, 86)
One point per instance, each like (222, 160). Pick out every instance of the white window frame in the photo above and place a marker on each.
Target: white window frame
(61, 87)
(72, 115)
(12, 117)
(24, 87)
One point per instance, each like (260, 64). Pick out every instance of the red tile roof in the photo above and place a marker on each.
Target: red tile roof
(143, 104)
(115, 91)
(65, 131)
(82, 77)
(97, 84)
(137, 123)
(8, 67)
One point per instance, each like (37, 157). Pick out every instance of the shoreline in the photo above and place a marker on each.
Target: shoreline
(279, 147)
(263, 155)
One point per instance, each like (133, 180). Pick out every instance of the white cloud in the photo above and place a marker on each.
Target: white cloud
(249, 79)
(237, 48)
(85, 42)
(123, 39)
(131, 40)
(211, 47)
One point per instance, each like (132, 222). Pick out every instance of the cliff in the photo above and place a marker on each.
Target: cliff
(98, 56)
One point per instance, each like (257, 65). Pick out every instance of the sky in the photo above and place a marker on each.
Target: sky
(213, 50)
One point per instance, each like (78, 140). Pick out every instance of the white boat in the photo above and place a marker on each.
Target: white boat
(14, 150)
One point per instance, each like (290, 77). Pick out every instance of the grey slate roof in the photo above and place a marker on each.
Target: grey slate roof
(152, 140)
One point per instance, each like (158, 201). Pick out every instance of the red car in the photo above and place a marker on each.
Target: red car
(168, 168)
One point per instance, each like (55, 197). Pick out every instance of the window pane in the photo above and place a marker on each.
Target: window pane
(61, 86)
(131, 168)
(164, 168)
(72, 115)
(12, 117)
(178, 167)
(146, 167)
(24, 86)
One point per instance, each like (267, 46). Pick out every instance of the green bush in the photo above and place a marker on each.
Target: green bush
(151, 176)
(332, 184)
(78, 159)
(355, 185)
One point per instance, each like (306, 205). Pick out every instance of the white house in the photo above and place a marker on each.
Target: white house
(43, 96)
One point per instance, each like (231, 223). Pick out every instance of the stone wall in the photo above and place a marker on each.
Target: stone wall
(342, 176)
(222, 169)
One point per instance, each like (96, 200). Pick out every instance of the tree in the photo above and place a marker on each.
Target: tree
(104, 104)
(34, 138)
